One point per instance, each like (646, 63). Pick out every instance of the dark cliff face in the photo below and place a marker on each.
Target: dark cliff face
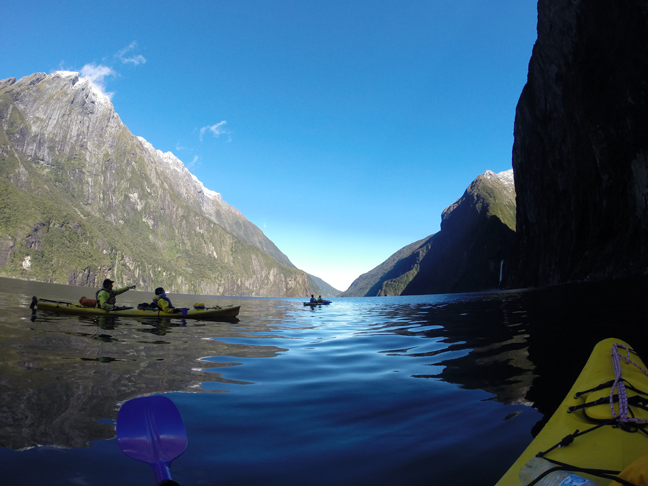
(477, 233)
(581, 146)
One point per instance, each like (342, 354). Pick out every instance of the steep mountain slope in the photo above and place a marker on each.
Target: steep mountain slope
(581, 147)
(320, 287)
(477, 233)
(370, 283)
(82, 199)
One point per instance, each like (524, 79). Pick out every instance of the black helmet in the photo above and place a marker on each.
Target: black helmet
(159, 291)
(108, 282)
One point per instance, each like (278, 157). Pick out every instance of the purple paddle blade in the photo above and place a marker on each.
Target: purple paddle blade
(150, 429)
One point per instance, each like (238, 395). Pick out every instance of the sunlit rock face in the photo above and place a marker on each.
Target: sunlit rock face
(84, 199)
(581, 146)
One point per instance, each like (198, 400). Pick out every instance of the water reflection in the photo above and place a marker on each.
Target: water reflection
(60, 374)
(357, 366)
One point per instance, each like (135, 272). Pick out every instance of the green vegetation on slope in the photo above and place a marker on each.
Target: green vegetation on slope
(78, 208)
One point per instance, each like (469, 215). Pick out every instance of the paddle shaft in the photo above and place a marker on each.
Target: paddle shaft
(162, 473)
(35, 302)
(161, 468)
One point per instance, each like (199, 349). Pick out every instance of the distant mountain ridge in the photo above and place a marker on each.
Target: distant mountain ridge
(477, 233)
(84, 199)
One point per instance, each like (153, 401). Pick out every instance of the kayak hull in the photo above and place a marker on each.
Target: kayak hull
(210, 313)
(313, 304)
(605, 448)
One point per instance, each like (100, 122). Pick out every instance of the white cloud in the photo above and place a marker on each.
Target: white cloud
(193, 163)
(98, 74)
(132, 59)
(217, 130)
(139, 59)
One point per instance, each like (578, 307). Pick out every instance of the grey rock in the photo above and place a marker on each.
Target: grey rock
(85, 200)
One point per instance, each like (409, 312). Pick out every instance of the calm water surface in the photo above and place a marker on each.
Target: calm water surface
(437, 389)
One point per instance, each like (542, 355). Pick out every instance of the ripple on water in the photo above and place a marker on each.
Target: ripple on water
(365, 391)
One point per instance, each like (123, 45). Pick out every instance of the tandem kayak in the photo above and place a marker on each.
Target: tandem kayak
(587, 432)
(208, 313)
(313, 304)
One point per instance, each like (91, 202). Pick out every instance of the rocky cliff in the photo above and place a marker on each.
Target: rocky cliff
(83, 199)
(581, 146)
(477, 233)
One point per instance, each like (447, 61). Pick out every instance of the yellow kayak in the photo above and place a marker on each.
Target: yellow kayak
(208, 313)
(606, 447)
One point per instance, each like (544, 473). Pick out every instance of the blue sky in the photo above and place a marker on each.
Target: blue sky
(341, 128)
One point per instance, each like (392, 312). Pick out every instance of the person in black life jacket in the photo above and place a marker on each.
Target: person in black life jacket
(163, 303)
(106, 295)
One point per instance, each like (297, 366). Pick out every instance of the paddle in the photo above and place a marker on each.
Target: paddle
(150, 429)
(35, 300)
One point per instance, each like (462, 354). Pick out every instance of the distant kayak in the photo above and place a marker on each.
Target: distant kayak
(602, 422)
(313, 304)
(208, 313)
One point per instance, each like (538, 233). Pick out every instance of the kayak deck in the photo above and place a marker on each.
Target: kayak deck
(209, 313)
(313, 304)
(607, 447)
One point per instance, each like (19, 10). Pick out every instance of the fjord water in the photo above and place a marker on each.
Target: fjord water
(437, 389)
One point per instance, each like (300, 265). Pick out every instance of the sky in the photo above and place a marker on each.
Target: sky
(341, 128)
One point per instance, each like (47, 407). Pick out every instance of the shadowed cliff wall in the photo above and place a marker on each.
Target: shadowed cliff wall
(580, 154)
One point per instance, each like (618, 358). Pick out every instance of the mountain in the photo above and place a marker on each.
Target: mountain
(580, 153)
(320, 287)
(371, 283)
(83, 199)
(477, 233)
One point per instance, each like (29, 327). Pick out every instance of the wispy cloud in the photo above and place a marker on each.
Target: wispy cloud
(97, 73)
(126, 57)
(193, 162)
(217, 130)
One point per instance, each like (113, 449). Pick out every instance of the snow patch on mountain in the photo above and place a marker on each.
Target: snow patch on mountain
(99, 97)
(177, 164)
(505, 176)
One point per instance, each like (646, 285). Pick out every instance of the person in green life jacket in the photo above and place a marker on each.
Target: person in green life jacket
(319, 300)
(106, 295)
(163, 303)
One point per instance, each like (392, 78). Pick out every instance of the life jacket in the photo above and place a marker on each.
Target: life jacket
(162, 297)
(111, 297)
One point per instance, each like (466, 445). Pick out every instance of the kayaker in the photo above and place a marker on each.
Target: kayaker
(162, 302)
(319, 300)
(106, 295)
(313, 300)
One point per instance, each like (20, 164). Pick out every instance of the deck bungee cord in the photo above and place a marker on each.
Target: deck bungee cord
(619, 383)
(625, 419)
